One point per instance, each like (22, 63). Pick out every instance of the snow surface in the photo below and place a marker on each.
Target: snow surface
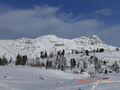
(33, 78)
(49, 43)
(29, 78)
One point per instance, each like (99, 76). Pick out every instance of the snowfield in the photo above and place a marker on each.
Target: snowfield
(29, 78)
(34, 78)
(38, 78)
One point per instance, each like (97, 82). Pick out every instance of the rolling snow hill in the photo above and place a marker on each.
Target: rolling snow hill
(49, 43)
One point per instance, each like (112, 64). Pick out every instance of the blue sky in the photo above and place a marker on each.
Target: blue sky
(64, 18)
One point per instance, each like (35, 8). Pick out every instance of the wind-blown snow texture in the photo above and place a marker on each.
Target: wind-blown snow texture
(49, 43)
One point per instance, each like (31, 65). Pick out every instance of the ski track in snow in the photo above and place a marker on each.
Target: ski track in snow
(95, 85)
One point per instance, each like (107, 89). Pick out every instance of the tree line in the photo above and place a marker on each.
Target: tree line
(60, 62)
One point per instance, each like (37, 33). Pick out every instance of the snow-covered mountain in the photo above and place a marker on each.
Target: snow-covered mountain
(49, 43)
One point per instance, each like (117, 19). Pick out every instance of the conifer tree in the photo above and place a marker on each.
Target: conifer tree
(116, 67)
(18, 60)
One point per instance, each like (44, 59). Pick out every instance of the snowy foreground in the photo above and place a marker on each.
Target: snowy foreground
(32, 78)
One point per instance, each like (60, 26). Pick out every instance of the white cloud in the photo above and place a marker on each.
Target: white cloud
(4, 7)
(43, 20)
(111, 35)
(104, 12)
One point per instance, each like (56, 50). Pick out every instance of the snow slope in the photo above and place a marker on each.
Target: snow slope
(49, 43)
(28, 78)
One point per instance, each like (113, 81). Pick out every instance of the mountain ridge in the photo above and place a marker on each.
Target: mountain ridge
(50, 43)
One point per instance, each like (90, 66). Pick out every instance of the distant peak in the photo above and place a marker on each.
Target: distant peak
(50, 36)
(47, 36)
(94, 37)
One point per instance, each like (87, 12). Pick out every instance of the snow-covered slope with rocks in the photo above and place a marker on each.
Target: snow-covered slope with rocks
(49, 43)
